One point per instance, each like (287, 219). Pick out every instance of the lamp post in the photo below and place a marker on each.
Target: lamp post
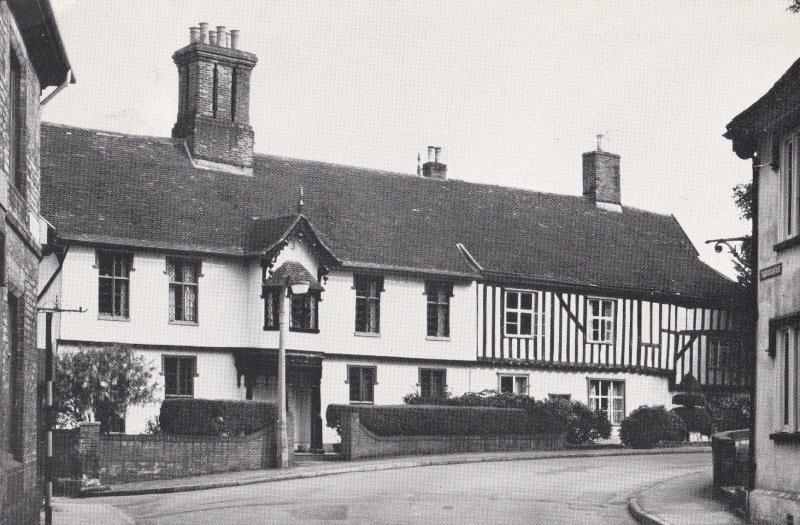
(297, 288)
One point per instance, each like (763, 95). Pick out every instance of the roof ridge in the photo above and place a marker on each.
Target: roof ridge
(108, 132)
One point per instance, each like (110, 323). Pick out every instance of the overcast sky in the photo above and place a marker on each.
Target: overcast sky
(514, 92)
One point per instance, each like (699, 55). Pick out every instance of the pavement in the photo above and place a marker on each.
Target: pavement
(685, 498)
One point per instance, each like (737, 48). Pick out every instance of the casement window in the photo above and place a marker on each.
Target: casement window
(790, 185)
(368, 303)
(15, 371)
(608, 397)
(514, 384)
(362, 381)
(789, 381)
(179, 373)
(522, 317)
(438, 295)
(600, 317)
(304, 312)
(718, 353)
(114, 285)
(432, 383)
(16, 124)
(183, 289)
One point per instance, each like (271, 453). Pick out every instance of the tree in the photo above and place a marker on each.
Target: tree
(744, 260)
(99, 384)
(794, 7)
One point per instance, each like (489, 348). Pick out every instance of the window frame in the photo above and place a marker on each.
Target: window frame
(514, 379)
(590, 317)
(314, 299)
(16, 122)
(373, 297)
(193, 373)
(99, 254)
(423, 370)
(174, 284)
(537, 317)
(610, 397)
(789, 171)
(789, 382)
(434, 291)
(361, 384)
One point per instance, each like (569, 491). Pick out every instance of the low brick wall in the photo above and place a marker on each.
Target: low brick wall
(359, 442)
(731, 458)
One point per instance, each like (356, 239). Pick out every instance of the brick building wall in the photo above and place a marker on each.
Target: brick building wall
(20, 496)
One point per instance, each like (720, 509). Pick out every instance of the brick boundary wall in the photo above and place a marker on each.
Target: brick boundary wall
(730, 451)
(359, 442)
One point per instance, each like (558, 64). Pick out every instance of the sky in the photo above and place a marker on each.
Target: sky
(513, 91)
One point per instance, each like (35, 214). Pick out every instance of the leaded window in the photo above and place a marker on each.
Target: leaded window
(114, 284)
(368, 303)
(304, 312)
(438, 298)
(183, 289)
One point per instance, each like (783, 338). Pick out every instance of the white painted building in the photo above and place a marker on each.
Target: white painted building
(419, 283)
(768, 132)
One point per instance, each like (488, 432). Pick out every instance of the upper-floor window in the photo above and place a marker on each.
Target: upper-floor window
(432, 383)
(608, 397)
(362, 381)
(790, 186)
(522, 315)
(438, 308)
(304, 312)
(183, 288)
(368, 303)
(718, 353)
(514, 384)
(179, 374)
(114, 285)
(600, 320)
(16, 124)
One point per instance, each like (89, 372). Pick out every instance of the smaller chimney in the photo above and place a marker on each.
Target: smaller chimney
(221, 36)
(194, 35)
(434, 168)
(234, 39)
(601, 179)
(212, 38)
(204, 32)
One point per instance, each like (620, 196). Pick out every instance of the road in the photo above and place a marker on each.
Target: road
(575, 490)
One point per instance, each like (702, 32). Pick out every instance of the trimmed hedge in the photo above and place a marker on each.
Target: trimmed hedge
(646, 426)
(730, 412)
(215, 417)
(689, 399)
(431, 420)
(697, 419)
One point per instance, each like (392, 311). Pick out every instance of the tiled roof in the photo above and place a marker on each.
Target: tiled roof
(100, 187)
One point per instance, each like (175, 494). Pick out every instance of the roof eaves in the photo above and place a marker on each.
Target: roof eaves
(434, 272)
(102, 241)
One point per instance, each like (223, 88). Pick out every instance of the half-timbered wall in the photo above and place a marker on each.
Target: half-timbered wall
(647, 336)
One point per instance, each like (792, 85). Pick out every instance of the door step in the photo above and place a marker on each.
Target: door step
(300, 457)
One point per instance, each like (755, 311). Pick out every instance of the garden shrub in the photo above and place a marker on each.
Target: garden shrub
(647, 425)
(730, 412)
(689, 399)
(215, 417)
(697, 419)
(586, 425)
(428, 420)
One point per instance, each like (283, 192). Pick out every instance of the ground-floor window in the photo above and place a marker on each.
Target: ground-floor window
(179, 373)
(432, 383)
(789, 357)
(608, 397)
(362, 381)
(514, 384)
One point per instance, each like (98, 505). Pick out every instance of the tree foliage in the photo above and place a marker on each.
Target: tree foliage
(794, 6)
(744, 260)
(100, 384)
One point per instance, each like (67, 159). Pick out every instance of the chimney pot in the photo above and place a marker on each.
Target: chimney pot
(194, 35)
(221, 36)
(437, 154)
(212, 38)
(234, 39)
(431, 150)
(204, 32)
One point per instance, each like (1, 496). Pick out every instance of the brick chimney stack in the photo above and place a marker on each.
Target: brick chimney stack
(214, 100)
(434, 168)
(601, 177)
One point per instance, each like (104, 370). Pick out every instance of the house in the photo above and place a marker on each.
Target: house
(417, 283)
(767, 133)
(32, 59)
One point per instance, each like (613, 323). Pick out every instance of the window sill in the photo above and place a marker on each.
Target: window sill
(437, 338)
(184, 323)
(271, 328)
(367, 334)
(785, 437)
(103, 317)
(791, 242)
(362, 402)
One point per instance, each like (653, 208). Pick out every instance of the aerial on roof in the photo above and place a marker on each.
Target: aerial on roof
(103, 188)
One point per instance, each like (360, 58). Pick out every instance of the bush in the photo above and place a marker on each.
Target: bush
(646, 426)
(215, 417)
(586, 425)
(730, 412)
(689, 399)
(697, 419)
(428, 420)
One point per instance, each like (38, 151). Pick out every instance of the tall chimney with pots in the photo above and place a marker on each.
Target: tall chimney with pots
(601, 178)
(214, 100)
(434, 168)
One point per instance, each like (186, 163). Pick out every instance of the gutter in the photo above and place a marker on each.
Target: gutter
(67, 81)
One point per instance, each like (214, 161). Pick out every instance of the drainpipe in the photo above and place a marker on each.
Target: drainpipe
(751, 471)
(68, 80)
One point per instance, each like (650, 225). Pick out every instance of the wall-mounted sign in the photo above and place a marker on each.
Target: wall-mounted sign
(770, 271)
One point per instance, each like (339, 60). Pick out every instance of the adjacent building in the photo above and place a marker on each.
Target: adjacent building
(32, 59)
(177, 246)
(768, 132)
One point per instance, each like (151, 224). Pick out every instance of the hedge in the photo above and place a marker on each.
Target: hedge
(429, 420)
(730, 412)
(646, 426)
(215, 417)
(697, 419)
